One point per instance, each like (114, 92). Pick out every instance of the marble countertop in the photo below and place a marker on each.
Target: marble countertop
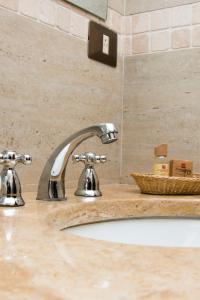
(39, 261)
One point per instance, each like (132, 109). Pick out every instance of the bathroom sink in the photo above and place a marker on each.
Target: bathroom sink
(166, 232)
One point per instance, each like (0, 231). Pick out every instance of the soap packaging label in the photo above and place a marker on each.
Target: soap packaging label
(181, 168)
(161, 169)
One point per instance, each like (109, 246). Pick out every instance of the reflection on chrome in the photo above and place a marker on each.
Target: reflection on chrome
(8, 235)
(8, 257)
(9, 212)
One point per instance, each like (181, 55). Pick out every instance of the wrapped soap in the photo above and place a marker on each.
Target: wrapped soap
(181, 168)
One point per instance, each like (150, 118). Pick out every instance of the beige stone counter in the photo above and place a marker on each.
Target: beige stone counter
(38, 261)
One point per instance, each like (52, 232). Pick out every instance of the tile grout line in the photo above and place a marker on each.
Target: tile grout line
(122, 118)
(122, 110)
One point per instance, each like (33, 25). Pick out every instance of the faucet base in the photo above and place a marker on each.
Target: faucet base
(51, 199)
(85, 193)
(11, 201)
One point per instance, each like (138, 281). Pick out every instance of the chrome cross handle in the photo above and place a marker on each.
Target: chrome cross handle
(88, 185)
(89, 158)
(10, 188)
(10, 158)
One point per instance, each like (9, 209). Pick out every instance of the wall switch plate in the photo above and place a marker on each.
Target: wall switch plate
(102, 44)
(106, 44)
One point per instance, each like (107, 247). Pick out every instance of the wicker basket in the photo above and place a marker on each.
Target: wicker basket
(160, 185)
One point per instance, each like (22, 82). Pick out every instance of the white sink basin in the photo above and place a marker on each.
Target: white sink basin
(152, 232)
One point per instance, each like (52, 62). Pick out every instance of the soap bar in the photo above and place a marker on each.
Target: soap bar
(181, 168)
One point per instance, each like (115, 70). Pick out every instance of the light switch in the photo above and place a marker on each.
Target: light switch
(102, 44)
(106, 44)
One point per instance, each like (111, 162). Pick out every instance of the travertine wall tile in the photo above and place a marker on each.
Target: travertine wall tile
(51, 90)
(108, 21)
(119, 44)
(29, 8)
(160, 41)
(48, 12)
(63, 18)
(161, 105)
(79, 26)
(11, 4)
(140, 43)
(181, 38)
(160, 19)
(127, 45)
(68, 78)
(141, 6)
(126, 25)
(117, 5)
(141, 23)
(196, 14)
(181, 15)
(115, 20)
(196, 37)
(159, 25)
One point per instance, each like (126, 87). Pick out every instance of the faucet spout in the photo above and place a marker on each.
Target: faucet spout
(52, 181)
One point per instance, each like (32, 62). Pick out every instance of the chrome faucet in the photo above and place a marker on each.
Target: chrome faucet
(10, 187)
(52, 181)
(88, 184)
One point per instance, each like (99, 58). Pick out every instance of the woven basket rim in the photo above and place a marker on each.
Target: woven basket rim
(196, 177)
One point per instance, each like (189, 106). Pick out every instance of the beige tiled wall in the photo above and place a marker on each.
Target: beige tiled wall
(161, 105)
(11, 4)
(161, 85)
(118, 5)
(161, 30)
(164, 29)
(63, 16)
(50, 89)
(140, 6)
